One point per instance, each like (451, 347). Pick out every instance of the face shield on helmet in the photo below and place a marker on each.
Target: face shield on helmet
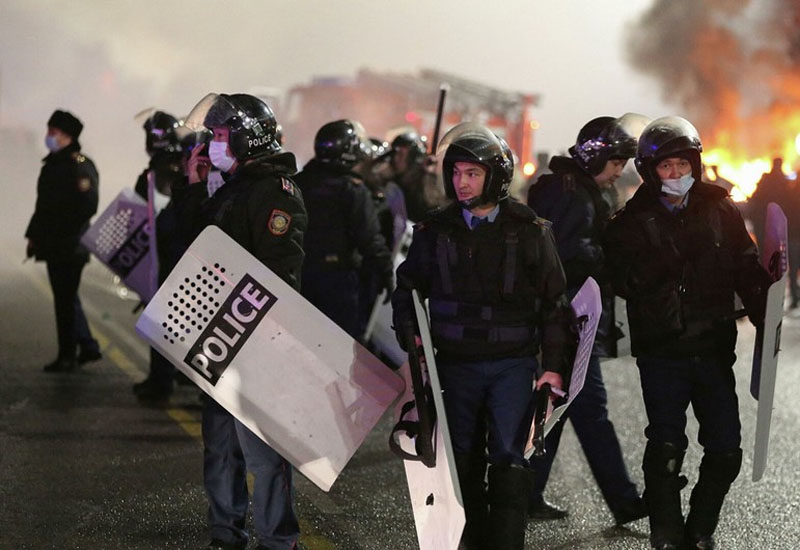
(471, 142)
(251, 124)
(668, 137)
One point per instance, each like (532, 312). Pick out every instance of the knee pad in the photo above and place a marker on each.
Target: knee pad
(662, 459)
(721, 468)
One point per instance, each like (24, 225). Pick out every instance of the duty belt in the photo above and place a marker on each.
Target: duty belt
(453, 309)
(454, 332)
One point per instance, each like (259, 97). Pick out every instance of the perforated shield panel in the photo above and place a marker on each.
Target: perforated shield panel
(120, 239)
(268, 356)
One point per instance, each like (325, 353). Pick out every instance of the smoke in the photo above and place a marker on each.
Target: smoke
(734, 66)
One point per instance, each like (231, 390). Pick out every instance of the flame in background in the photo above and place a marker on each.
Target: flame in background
(734, 66)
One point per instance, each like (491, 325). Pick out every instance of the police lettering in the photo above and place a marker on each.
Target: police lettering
(229, 329)
(258, 142)
(131, 252)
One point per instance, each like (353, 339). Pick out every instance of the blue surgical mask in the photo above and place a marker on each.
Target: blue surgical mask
(677, 187)
(218, 153)
(52, 144)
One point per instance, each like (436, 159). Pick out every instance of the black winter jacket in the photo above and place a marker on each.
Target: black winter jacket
(66, 199)
(476, 287)
(259, 207)
(679, 271)
(571, 200)
(343, 228)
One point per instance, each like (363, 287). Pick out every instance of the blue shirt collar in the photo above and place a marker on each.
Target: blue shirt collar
(674, 208)
(490, 217)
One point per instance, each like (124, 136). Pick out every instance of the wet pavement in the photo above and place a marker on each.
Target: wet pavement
(83, 465)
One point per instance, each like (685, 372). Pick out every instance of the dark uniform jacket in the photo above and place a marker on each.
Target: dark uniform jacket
(496, 291)
(679, 271)
(259, 207)
(168, 170)
(343, 229)
(572, 201)
(66, 199)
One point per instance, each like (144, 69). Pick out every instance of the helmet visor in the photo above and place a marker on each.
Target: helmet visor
(213, 111)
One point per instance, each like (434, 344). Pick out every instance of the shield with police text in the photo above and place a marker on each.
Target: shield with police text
(774, 257)
(120, 239)
(268, 356)
(434, 491)
(587, 308)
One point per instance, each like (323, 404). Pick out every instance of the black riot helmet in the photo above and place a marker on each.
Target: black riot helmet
(250, 121)
(665, 137)
(160, 131)
(341, 143)
(470, 142)
(416, 144)
(600, 140)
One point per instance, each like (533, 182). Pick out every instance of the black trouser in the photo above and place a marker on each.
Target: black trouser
(71, 325)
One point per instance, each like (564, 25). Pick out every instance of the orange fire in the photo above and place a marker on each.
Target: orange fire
(743, 148)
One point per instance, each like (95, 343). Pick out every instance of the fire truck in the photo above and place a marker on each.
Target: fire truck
(386, 103)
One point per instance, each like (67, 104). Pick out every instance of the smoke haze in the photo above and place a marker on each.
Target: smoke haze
(733, 65)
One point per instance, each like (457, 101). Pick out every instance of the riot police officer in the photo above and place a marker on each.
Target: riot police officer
(571, 197)
(677, 253)
(166, 163)
(343, 229)
(495, 285)
(260, 207)
(410, 172)
(67, 193)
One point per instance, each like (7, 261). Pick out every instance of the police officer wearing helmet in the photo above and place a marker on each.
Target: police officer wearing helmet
(411, 173)
(66, 198)
(261, 208)
(489, 267)
(572, 198)
(164, 149)
(677, 253)
(163, 146)
(343, 228)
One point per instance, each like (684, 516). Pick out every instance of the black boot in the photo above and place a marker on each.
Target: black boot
(472, 479)
(509, 490)
(62, 364)
(662, 466)
(717, 472)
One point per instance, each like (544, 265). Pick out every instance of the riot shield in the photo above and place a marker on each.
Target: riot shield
(587, 308)
(774, 257)
(432, 484)
(121, 239)
(269, 357)
(379, 332)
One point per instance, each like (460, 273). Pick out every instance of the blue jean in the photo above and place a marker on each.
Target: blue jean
(708, 383)
(588, 414)
(493, 396)
(230, 450)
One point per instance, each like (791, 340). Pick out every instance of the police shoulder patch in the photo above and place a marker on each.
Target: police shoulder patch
(84, 184)
(287, 186)
(279, 222)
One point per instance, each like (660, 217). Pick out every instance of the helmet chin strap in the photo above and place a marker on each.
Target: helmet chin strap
(471, 203)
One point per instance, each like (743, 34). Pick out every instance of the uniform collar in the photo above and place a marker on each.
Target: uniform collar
(490, 217)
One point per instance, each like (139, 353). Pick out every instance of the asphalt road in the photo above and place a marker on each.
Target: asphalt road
(84, 466)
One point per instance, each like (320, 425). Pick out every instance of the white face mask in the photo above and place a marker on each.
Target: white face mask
(677, 187)
(51, 142)
(218, 153)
